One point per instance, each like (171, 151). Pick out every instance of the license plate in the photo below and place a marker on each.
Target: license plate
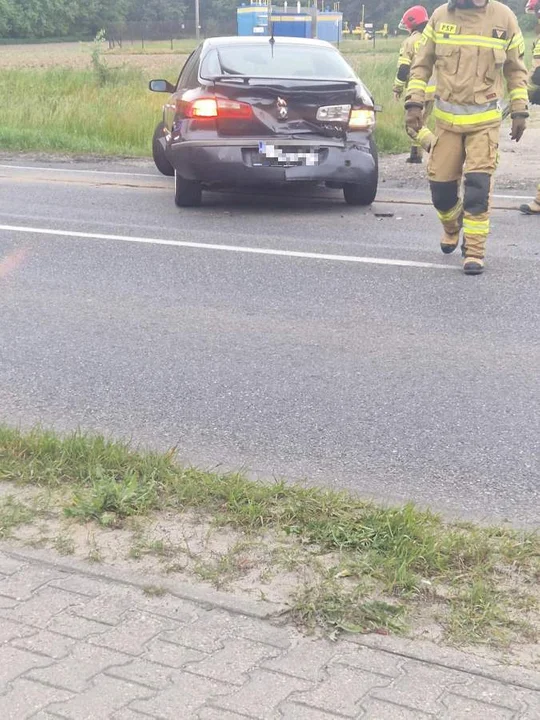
(296, 157)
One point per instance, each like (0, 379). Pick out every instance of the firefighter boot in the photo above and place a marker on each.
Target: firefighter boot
(473, 266)
(415, 158)
(532, 208)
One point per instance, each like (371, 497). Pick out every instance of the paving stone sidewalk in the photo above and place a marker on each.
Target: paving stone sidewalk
(83, 644)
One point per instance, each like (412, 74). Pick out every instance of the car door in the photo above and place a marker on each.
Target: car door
(187, 80)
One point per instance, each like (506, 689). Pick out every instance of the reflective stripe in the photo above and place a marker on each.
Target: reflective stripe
(399, 83)
(404, 60)
(429, 33)
(424, 134)
(519, 94)
(517, 42)
(415, 84)
(475, 227)
(464, 120)
(471, 41)
(431, 90)
(452, 214)
(455, 109)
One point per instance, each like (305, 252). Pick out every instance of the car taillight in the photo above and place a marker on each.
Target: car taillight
(203, 107)
(362, 119)
(333, 113)
(214, 108)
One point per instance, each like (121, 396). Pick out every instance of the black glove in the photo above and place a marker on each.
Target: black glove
(519, 123)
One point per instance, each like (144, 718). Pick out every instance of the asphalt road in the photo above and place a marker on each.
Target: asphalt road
(389, 372)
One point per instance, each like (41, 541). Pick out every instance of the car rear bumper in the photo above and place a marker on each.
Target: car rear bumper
(230, 162)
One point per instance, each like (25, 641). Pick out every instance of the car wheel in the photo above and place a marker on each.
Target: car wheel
(187, 193)
(158, 152)
(365, 193)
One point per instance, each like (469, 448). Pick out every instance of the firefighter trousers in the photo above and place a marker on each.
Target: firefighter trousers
(472, 156)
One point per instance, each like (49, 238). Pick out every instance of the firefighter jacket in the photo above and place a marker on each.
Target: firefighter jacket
(407, 54)
(534, 78)
(472, 51)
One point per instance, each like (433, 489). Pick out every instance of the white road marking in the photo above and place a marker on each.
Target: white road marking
(228, 248)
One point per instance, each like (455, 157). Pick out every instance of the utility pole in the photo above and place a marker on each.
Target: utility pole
(197, 21)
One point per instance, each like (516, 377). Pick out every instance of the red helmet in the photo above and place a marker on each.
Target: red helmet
(533, 7)
(414, 17)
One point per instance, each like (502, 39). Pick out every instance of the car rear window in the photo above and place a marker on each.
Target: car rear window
(279, 61)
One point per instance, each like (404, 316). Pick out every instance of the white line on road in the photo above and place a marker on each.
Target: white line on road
(228, 248)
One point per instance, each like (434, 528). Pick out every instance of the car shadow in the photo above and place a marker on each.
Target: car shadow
(281, 199)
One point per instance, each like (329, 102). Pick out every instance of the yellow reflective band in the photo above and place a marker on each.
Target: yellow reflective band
(399, 83)
(472, 119)
(423, 133)
(404, 60)
(429, 33)
(415, 84)
(471, 41)
(452, 214)
(431, 89)
(475, 227)
(519, 94)
(516, 42)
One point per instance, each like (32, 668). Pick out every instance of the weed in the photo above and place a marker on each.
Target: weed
(329, 604)
(12, 514)
(479, 614)
(154, 591)
(64, 545)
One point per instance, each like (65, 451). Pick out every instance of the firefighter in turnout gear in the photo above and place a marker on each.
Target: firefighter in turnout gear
(414, 21)
(473, 45)
(533, 8)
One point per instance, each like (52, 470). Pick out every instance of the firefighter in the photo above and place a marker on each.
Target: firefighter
(414, 21)
(533, 8)
(472, 44)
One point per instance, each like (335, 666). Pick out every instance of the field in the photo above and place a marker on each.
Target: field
(59, 101)
(74, 98)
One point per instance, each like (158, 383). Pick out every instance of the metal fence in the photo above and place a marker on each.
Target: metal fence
(141, 33)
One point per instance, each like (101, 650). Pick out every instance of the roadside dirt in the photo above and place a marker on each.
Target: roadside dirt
(193, 547)
(519, 168)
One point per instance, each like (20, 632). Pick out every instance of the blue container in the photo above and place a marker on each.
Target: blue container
(252, 20)
(291, 25)
(330, 26)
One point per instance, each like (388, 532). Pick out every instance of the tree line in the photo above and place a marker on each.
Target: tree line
(84, 18)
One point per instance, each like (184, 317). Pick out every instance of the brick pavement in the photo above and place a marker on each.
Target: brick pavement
(78, 646)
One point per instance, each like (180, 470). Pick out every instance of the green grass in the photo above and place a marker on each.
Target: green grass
(384, 560)
(64, 110)
(13, 514)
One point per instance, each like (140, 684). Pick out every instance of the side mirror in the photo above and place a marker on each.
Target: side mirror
(162, 86)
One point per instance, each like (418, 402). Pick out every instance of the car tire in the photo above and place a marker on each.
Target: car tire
(364, 193)
(158, 152)
(187, 193)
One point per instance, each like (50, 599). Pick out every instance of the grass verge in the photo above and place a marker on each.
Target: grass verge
(371, 567)
(73, 111)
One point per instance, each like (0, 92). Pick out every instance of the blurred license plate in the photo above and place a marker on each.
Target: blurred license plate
(294, 156)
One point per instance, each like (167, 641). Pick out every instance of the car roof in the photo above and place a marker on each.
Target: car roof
(264, 40)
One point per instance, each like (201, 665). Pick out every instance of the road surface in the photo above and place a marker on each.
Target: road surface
(290, 336)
